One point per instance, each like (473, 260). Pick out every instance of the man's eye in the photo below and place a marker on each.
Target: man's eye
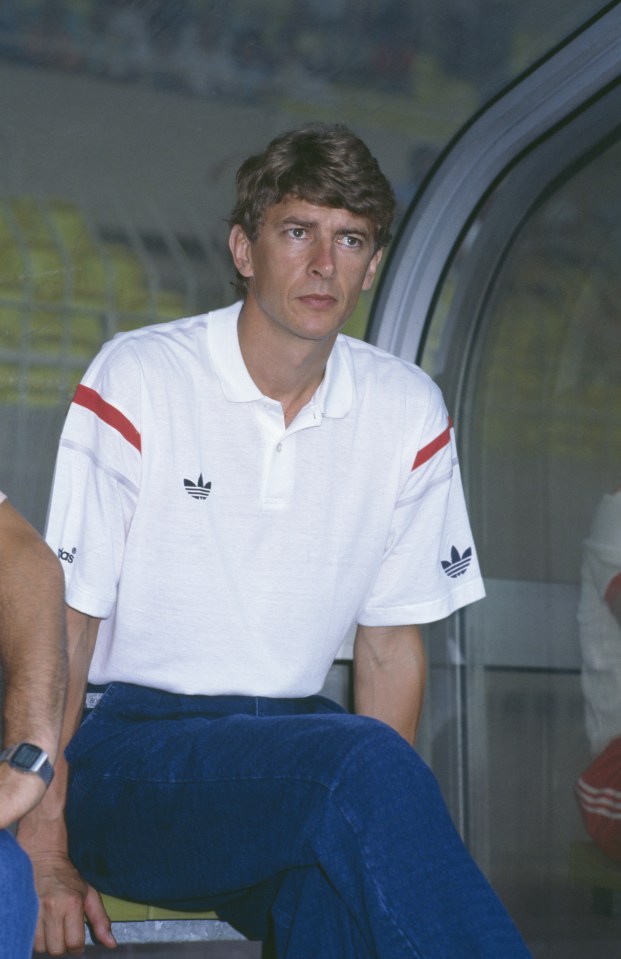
(351, 241)
(297, 232)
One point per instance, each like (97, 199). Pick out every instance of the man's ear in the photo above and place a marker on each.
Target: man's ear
(239, 245)
(372, 269)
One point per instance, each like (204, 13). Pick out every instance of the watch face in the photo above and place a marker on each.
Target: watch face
(25, 756)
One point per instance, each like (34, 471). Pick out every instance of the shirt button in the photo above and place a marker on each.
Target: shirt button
(279, 448)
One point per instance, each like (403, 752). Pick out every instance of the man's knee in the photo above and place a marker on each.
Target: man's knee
(379, 754)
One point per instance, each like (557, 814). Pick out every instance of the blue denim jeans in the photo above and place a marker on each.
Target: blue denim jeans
(317, 832)
(18, 900)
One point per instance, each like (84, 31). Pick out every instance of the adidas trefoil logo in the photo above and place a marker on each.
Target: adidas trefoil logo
(458, 564)
(199, 490)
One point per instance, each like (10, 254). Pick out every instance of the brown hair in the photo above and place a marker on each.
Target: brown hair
(326, 165)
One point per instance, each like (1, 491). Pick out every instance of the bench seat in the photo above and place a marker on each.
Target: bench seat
(121, 910)
(137, 922)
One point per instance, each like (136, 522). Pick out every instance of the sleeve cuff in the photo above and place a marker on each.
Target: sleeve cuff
(430, 612)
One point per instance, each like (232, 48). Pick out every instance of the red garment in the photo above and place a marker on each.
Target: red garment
(598, 792)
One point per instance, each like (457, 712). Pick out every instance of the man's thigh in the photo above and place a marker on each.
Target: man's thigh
(18, 900)
(173, 804)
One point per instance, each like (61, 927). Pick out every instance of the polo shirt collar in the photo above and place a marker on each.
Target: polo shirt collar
(335, 393)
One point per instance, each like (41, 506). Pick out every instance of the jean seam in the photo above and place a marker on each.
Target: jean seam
(371, 878)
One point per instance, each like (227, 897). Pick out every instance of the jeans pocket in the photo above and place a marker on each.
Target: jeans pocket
(94, 723)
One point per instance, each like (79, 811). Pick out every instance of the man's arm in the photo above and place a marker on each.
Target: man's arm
(614, 600)
(65, 898)
(33, 655)
(389, 676)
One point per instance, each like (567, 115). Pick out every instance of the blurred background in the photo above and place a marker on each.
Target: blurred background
(122, 123)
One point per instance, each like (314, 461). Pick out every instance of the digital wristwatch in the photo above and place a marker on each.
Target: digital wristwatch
(27, 758)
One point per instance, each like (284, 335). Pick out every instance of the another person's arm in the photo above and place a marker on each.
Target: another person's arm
(613, 597)
(389, 676)
(65, 898)
(33, 655)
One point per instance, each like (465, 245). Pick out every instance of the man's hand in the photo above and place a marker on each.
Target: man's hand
(65, 901)
(19, 793)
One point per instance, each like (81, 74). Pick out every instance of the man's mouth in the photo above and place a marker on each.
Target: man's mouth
(318, 301)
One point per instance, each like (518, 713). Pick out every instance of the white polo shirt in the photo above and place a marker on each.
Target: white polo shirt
(227, 553)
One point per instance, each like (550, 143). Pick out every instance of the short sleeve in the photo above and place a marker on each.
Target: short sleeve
(603, 548)
(96, 480)
(429, 567)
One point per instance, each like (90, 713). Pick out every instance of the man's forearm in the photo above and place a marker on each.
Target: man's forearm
(65, 898)
(44, 828)
(32, 635)
(389, 676)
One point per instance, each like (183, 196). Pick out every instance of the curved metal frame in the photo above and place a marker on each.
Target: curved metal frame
(521, 190)
(518, 120)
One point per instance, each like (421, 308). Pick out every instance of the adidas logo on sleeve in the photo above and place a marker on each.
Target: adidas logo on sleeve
(457, 565)
(198, 490)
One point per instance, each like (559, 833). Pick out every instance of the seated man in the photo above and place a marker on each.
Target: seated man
(232, 492)
(598, 790)
(33, 669)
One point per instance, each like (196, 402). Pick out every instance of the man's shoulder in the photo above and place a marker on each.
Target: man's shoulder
(167, 338)
(391, 372)
(606, 523)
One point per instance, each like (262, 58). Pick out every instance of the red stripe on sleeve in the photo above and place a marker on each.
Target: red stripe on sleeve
(613, 591)
(91, 400)
(432, 448)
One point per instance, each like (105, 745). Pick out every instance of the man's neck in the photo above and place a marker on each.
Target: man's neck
(284, 367)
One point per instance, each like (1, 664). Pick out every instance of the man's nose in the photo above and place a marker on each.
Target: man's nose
(322, 261)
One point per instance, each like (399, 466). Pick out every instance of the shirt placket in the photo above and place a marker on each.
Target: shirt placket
(281, 453)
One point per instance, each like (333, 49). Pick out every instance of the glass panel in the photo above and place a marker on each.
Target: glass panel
(549, 394)
(541, 441)
(123, 121)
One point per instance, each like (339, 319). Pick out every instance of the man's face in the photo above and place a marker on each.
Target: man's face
(306, 267)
